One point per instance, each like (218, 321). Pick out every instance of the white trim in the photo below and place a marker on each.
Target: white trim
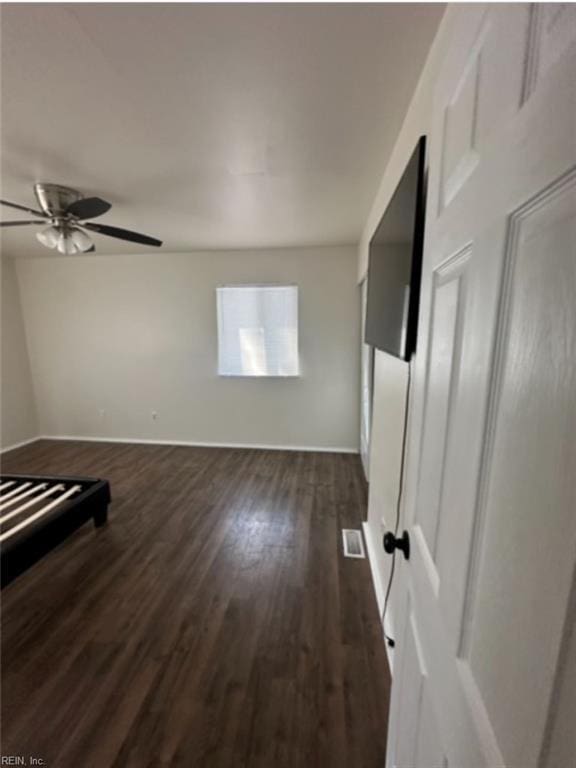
(376, 580)
(380, 592)
(20, 445)
(199, 444)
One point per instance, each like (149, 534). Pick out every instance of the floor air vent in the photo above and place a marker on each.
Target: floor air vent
(353, 544)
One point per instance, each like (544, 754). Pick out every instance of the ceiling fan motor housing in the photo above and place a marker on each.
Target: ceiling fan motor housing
(55, 199)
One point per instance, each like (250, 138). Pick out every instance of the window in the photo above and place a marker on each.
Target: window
(258, 330)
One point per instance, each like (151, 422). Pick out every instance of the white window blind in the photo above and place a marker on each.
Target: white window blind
(258, 330)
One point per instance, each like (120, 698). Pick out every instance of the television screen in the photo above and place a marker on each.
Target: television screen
(395, 264)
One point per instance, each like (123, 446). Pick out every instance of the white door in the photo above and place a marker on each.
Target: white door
(488, 593)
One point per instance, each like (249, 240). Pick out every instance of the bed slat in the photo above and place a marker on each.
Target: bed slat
(41, 512)
(31, 502)
(14, 499)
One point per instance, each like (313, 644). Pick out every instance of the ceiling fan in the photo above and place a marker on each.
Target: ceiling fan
(66, 211)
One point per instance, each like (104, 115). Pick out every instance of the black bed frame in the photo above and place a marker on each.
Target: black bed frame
(26, 547)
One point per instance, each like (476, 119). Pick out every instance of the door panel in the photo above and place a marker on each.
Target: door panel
(421, 745)
(488, 91)
(553, 31)
(526, 560)
(429, 751)
(412, 673)
(447, 322)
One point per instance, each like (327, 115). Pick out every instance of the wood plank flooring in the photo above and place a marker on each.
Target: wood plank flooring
(214, 622)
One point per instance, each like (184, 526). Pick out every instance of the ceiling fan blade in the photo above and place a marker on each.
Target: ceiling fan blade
(88, 208)
(23, 208)
(122, 234)
(20, 223)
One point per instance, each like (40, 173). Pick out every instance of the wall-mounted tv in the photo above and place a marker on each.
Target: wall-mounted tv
(395, 264)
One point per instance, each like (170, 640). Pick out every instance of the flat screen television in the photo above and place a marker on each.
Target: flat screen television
(395, 264)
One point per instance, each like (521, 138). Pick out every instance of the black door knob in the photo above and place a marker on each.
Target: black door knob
(402, 543)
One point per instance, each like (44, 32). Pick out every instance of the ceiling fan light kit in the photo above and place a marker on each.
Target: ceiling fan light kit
(67, 240)
(48, 237)
(80, 240)
(65, 210)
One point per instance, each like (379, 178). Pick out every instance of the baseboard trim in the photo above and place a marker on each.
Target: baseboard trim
(19, 445)
(376, 580)
(380, 592)
(199, 444)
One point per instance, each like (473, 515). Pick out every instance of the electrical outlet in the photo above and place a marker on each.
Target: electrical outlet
(154, 415)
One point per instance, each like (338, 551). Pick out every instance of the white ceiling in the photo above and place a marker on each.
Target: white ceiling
(208, 126)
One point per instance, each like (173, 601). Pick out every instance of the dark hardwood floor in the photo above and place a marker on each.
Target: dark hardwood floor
(214, 621)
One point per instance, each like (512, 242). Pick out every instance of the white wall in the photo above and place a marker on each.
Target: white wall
(416, 123)
(390, 381)
(18, 411)
(133, 334)
(392, 374)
